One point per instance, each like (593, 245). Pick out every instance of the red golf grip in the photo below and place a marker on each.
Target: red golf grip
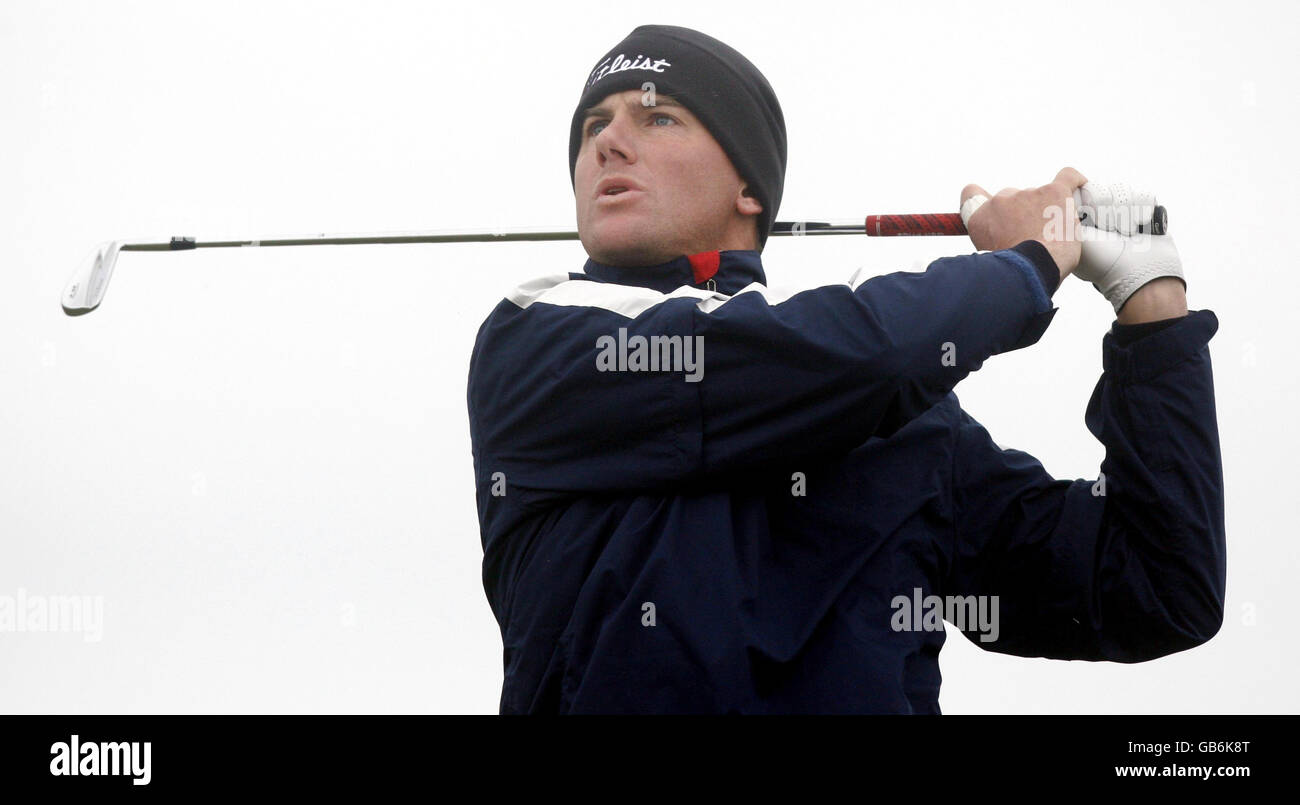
(935, 223)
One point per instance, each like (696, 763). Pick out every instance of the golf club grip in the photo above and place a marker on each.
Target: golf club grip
(938, 223)
(949, 223)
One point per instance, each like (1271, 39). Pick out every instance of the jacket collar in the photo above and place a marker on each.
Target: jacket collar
(730, 270)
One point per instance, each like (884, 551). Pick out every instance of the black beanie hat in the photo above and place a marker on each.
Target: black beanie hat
(718, 85)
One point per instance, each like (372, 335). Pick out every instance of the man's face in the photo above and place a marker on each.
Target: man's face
(682, 194)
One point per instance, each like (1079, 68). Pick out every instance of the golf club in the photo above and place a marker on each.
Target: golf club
(86, 289)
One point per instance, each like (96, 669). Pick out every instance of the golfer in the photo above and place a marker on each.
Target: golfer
(697, 495)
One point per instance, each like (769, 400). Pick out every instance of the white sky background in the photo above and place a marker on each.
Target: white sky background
(260, 458)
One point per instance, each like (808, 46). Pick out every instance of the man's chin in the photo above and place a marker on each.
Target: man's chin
(618, 248)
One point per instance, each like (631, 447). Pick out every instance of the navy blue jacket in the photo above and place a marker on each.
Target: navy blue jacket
(742, 540)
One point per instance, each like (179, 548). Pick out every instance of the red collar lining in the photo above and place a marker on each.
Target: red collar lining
(704, 265)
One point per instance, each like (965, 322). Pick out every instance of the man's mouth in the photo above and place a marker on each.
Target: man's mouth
(615, 187)
(618, 195)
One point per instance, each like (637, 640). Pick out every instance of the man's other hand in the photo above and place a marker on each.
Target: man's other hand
(1046, 214)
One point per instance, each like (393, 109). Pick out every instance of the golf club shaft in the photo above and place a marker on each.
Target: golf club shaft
(86, 289)
(876, 225)
(910, 224)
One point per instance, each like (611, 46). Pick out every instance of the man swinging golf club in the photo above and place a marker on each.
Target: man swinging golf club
(698, 495)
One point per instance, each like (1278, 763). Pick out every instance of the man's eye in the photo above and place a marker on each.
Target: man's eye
(594, 128)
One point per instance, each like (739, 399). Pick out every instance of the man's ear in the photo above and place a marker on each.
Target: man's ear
(747, 203)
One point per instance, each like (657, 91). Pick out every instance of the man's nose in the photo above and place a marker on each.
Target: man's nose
(611, 142)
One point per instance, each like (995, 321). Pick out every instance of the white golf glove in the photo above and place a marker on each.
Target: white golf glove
(1116, 258)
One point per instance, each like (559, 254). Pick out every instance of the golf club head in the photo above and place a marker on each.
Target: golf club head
(86, 288)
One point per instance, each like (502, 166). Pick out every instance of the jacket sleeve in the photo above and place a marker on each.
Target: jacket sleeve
(821, 370)
(1126, 567)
